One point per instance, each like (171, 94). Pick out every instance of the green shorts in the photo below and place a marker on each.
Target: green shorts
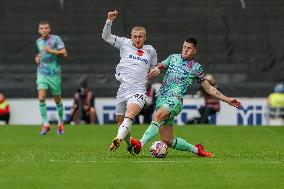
(172, 104)
(51, 82)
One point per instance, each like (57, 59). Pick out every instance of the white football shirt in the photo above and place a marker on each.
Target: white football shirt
(134, 63)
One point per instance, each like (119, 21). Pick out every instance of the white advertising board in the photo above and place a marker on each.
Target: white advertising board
(26, 111)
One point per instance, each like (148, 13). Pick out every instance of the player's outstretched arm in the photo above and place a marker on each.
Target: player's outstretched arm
(214, 92)
(106, 35)
(155, 71)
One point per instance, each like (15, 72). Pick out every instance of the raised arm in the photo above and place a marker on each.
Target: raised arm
(214, 92)
(106, 35)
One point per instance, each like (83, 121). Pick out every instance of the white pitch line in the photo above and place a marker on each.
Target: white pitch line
(141, 161)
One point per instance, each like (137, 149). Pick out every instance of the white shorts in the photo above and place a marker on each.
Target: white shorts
(121, 104)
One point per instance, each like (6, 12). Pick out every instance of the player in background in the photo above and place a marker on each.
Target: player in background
(182, 69)
(136, 58)
(49, 50)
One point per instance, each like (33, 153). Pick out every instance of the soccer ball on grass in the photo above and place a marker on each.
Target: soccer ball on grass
(159, 149)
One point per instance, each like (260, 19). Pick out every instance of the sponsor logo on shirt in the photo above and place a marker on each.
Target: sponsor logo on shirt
(140, 52)
(177, 69)
(138, 58)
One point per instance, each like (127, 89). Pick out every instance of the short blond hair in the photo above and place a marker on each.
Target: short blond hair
(139, 28)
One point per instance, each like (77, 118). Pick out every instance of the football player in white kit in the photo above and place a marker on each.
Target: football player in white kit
(136, 59)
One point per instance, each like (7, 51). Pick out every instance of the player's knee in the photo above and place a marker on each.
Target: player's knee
(41, 98)
(159, 116)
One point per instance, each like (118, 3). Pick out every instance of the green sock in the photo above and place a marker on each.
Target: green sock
(43, 112)
(182, 145)
(59, 108)
(150, 133)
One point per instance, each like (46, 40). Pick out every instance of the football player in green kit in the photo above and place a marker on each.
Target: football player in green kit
(181, 71)
(49, 51)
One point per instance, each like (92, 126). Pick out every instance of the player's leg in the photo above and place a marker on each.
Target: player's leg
(162, 112)
(55, 86)
(43, 111)
(134, 106)
(42, 106)
(166, 132)
(92, 115)
(59, 108)
(124, 131)
(116, 140)
(120, 110)
(159, 116)
(167, 109)
(42, 86)
(125, 127)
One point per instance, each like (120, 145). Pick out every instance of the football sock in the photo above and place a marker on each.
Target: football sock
(59, 108)
(150, 133)
(182, 145)
(43, 112)
(124, 128)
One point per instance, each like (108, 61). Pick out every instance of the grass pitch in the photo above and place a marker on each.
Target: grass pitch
(245, 157)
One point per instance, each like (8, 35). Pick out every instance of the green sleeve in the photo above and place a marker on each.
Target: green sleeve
(166, 62)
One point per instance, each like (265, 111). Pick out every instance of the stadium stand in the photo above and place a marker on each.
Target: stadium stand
(242, 48)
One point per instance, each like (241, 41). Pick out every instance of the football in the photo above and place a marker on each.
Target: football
(159, 149)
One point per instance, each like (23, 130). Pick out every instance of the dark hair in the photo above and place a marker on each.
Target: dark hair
(192, 40)
(44, 23)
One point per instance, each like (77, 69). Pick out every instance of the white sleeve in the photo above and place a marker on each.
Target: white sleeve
(154, 59)
(110, 38)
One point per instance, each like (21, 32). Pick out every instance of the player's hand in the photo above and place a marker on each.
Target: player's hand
(234, 102)
(112, 15)
(37, 59)
(153, 73)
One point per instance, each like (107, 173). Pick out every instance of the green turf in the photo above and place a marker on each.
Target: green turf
(245, 157)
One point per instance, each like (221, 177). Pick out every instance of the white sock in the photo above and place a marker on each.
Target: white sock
(124, 128)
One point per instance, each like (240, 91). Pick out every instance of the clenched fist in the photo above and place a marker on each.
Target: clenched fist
(112, 15)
